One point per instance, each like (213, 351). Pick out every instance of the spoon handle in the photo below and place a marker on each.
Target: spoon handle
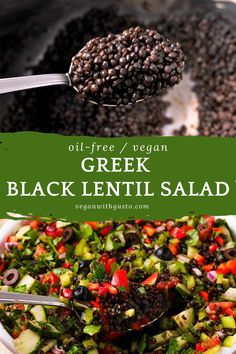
(18, 298)
(32, 81)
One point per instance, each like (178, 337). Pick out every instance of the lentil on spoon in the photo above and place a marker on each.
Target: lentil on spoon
(127, 67)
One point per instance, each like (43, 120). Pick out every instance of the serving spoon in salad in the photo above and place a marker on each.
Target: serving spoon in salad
(29, 299)
(115, 70)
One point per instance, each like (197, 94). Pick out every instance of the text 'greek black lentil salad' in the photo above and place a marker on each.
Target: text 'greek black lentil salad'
(129, 272)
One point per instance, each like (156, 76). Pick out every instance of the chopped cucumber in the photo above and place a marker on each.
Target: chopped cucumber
(185, 318)
(114, 240)
(181, 341)
(26, 281)
(192, 251)
(202, 314)
(4, 288)
(214, 350)
(92, 329)
(22, 231)
(48, 345)
(183, 290)
(66, 278)
(230, 294)
(129, 313)
(176, 268)
(39, 313)
(87, 316)
(161, 338)
(229, 341)
(62, 224)
(93, 351)
(228, 322)
(190, 282)
(45, 329)
(89, 343)
(82, 250)
(203, 337)
(28, 342)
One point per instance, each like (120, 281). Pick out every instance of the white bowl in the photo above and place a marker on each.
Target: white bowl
(11, 226)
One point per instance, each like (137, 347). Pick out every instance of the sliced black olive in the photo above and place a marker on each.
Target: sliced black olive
(230, 253)
(10, 276)
(81, 293)
(84, 264)
(67, 234)
(164, 253)
(131, 238)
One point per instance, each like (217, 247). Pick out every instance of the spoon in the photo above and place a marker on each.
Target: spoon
(115, 70)
(29, 299)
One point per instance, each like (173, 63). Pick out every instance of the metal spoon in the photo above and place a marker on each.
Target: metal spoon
(14, 84)
(29, 299)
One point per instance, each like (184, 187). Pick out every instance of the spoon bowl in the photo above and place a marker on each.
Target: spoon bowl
(76, 307)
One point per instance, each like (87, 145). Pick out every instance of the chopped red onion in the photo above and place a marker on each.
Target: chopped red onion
(212, 275)
(197, 272)
(9, 245)
(182, 258)
(56, 350)
(160, 228)
(62, 255)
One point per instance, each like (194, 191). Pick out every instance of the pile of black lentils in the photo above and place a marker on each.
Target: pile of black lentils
(127, 67)
(208, 42)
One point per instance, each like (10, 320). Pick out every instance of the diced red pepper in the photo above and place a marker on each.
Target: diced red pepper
(67, 293)
(93, 224)
(199, 258)
(40, 250)
(208, 267)
(148, 241)
(138, 221)
(113, 335)
(93, 286)
(231, 265)
(53, 279)
(52, 231)
(222, 269)
(15, 334)
(67, 265)
(174, 249)
(151, 280)
(35, 224)
(12, 238)
(180, 232)
(120, 279)
(149, 230)
(217, 229)
(168, 284)
(2, 264)
(110, 288)
(200, 347)
(107, 262)
(20, 307)
(142, 322)
(207, 344)
(105, 231)
(204, 295)
(61, 248)
(206, 228)
(103, 291)
(220, 240)
(213, 247)
(54, 290)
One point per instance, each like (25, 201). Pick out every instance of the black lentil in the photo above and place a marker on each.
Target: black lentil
(209, 43)
(119, 69)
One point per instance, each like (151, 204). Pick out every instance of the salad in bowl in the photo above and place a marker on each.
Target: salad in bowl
(180, 272)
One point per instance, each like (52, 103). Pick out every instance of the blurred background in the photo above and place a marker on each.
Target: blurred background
(40, 36)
